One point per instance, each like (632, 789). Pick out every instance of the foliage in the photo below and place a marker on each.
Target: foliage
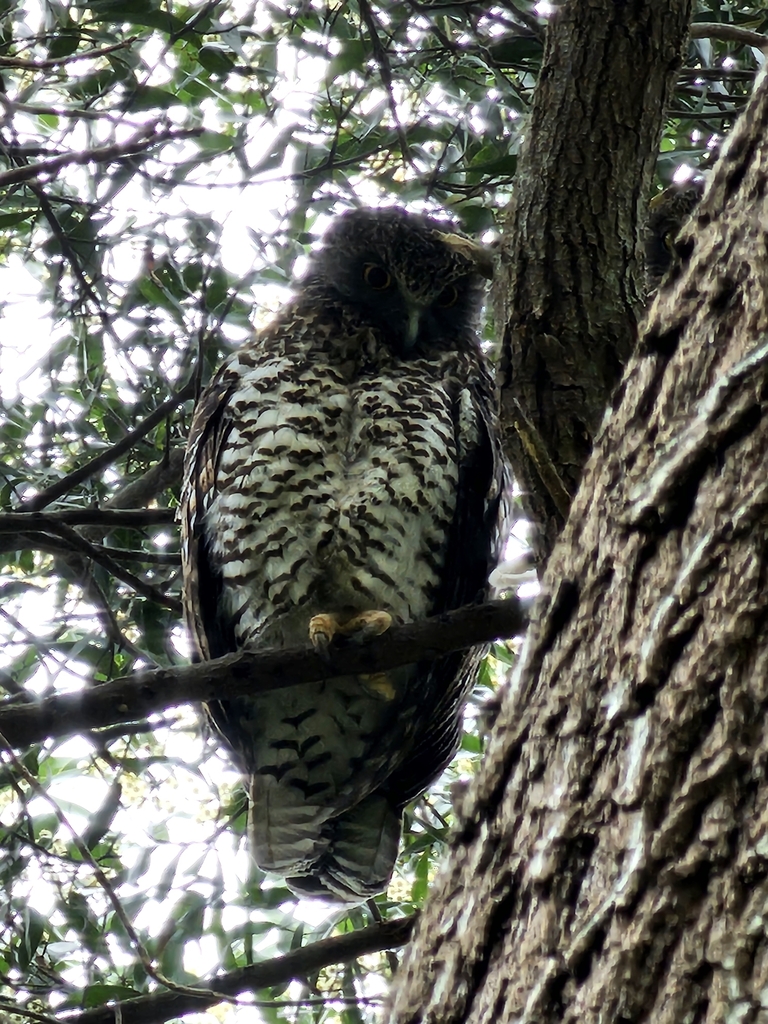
(164, 168)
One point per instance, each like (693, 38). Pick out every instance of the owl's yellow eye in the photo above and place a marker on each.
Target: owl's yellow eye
(376, 277)
(669, 241)
(448, 297)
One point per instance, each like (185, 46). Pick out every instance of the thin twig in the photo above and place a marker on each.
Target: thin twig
(141, 142)
(76, 113)
(376, 915)
(530, 21)
(128, 555)
(728, 33)
(101, 462)
(72, 259)
(52, 62)
(93, 592)
(20, 1011)
(154, 972)
(86, 855)
(382, 59)
(102, 556)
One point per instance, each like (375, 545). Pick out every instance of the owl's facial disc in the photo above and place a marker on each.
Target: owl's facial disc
(412, 279)
(414, 321)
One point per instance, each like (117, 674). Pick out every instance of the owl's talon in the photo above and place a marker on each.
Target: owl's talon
(326, 628)
(322, 630)
(378, 684)
(367, 625)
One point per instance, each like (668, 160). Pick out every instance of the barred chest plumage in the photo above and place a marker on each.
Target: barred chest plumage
(335, 491)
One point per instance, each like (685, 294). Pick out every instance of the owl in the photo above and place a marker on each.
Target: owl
(344, 473)
(668, 211)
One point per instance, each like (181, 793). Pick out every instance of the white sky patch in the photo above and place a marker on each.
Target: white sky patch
(27, 333)
(683, 173)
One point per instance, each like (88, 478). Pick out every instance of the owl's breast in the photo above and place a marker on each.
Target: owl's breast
(331, 494)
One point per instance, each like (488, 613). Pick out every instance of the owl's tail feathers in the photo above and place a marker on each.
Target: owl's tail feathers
(349, 857)
(361, 852)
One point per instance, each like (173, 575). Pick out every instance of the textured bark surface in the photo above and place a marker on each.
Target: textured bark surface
(613, 861)
(569, 288)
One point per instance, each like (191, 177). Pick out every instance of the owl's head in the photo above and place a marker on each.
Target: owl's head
(413, 279)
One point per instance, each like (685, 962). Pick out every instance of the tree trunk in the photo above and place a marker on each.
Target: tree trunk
(611, 861)
(572, 280)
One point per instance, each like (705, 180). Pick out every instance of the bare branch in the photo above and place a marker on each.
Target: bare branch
(182, 998)
(74, 837)
(109, 519)
(141, 142)
(297, 964)
(382, 59)
(71, 541)
(132, 699)
(53, 62)
(139, 493)
(728, 33)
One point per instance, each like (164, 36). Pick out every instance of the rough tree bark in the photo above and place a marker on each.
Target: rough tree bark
(571, 282)
(612, 858)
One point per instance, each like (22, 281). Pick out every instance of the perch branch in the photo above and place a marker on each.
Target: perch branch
(135, 697)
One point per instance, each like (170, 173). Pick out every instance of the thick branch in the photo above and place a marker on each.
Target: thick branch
(132, 699)
(298, 964)
(728, 33)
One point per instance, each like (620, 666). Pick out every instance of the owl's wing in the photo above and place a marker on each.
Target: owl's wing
(477, 532)
(211, 424)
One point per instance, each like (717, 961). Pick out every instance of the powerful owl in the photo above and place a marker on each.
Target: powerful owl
(344, 473)
(668, 211)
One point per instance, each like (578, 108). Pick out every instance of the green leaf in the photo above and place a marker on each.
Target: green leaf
(420, 885)
(33, 931)
(97, 995)
(215, 59)
(8, 220)
(149, 97)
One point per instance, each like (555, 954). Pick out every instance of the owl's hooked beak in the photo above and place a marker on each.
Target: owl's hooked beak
(472, 251)
(412, 324)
